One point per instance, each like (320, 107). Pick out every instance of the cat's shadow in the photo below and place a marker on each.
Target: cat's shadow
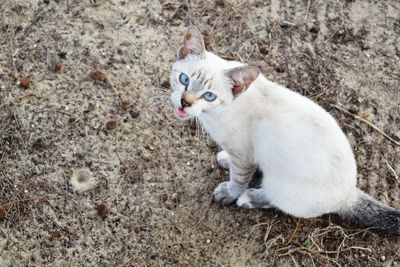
(256, 179)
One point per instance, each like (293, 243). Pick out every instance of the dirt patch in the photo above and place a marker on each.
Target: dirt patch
(84, 86)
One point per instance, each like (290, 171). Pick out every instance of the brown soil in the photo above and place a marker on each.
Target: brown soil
(84, 93)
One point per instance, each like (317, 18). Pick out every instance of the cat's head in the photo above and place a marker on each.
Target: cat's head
(202, 81)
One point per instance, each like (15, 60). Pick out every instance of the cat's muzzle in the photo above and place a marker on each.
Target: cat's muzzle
(187, 99)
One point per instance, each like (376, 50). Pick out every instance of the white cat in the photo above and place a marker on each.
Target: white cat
(307, 163)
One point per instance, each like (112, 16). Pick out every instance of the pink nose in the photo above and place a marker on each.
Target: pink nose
(187, 99)
(184, 103)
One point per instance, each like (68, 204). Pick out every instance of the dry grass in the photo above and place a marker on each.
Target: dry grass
(105, 108)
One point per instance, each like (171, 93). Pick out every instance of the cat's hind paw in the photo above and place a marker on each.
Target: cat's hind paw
(222, 194)
(253, 198)
(223, 159)
(244, 201)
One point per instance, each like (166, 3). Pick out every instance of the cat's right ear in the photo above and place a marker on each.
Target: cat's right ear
(192, 43)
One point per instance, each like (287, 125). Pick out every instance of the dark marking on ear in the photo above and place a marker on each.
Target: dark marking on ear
(236, 89)
(188, 36)
(242, 77)
(192, 43)
(183, 52)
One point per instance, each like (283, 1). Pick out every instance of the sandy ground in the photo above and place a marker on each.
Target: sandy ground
(84, 94)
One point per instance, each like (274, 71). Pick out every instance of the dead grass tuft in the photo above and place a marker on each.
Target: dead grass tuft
(25, 82)
(98, 76)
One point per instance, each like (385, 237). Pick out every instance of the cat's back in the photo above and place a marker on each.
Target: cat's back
(275, 100)
(293, 115)
(295, 131)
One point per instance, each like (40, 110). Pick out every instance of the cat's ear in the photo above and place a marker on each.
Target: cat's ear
(192, 43)
(242, 77)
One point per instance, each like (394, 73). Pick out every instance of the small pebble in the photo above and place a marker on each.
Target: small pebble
(125, 104)
(279, 68)
(314, 29)
(3, 213)
(110, 125)
(58, 67)
(98, 76)
(135, 114)
(62, 54)
(396, 136)
(102, 210)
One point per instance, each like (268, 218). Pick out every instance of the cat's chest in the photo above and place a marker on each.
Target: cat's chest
(229, 137)
(220, 138)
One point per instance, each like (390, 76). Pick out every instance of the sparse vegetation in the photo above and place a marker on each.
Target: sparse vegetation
(103, 105)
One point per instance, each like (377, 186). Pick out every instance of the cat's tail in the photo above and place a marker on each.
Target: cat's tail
(368, 212)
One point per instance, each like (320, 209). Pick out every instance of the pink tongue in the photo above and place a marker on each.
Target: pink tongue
(181, 112)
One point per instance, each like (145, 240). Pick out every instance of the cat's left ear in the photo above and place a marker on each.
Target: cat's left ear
(192, 43)
(242, 77)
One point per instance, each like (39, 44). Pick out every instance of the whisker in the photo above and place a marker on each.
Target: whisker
(160, 97)
(183, 129)
(202, 128)
(195, 129)
(164, 89)
(198, 127)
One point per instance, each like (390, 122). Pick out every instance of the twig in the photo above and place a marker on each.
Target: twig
(233, 7)
(308, 9)
(74, 116)
(311, 257)
(201, 219)
(17, 201)
(392, 170)
(367, 122)
(68, 7)
(357, 248)
(30, 95)
(288, 23)
(293, 260)
(35, 19)
(394, 257)
(298, 223)
(255, 226)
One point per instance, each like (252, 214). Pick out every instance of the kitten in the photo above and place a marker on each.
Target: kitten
(307, 163)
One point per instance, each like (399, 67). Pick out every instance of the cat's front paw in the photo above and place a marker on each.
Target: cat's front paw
(223, 195)
(223, 159)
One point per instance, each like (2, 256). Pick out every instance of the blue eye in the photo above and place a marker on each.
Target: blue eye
(184, 79)
(208, 96)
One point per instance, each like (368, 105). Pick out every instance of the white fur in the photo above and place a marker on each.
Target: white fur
(307, 163)
(244, 201)
(223, 159)
(253, 198)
